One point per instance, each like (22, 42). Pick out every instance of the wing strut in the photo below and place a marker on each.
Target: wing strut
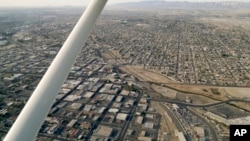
(33, 114)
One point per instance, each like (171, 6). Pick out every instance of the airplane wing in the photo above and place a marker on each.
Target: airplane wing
(33, 114)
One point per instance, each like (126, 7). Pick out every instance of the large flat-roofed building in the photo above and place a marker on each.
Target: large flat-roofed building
(88, 94)
(76, 106)
(72, 98)
(124, 92)
(103, 131)
(145, 139)
(119, 98)
(148, 125)
(121, 116)
(139, 119)
(72, 123)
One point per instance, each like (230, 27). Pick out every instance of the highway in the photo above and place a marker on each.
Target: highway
(176, 121)
(181, 128)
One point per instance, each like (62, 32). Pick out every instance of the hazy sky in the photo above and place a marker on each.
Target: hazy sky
(77, 2)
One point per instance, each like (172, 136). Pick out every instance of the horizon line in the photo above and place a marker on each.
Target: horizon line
(113, 4)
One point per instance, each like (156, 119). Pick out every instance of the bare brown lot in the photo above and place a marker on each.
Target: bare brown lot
(145, 75)
(149, 76)
(204, 93)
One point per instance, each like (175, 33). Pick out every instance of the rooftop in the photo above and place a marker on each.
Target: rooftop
(103, 131)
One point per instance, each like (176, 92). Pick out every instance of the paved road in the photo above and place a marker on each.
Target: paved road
(175, 120)
(131, 115)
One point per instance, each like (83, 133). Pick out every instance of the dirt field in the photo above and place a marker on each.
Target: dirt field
(172, 94)
(238, 92)
(149, 76)
(145, 75)
(166, 92)
(199, 93)
(196, 99)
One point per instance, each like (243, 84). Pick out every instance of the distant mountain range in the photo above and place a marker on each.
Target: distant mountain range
(183, 5)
